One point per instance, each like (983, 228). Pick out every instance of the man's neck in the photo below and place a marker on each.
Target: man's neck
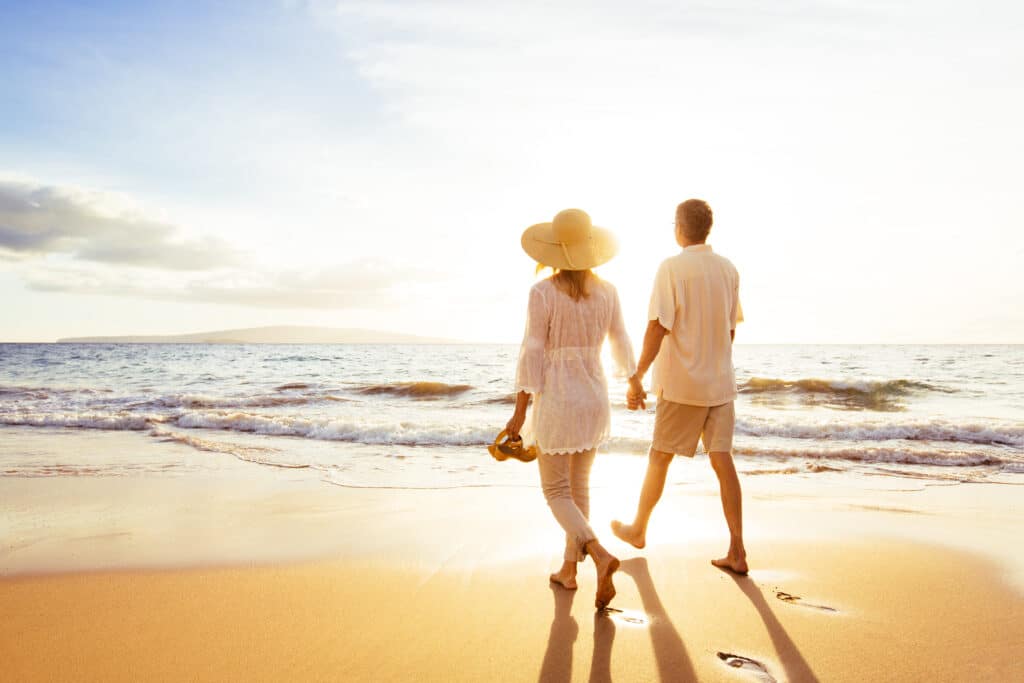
(692, 244)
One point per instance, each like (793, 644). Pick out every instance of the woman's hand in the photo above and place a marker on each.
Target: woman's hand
(515, 424)
(519, 416)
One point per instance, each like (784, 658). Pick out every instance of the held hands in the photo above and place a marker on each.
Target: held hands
(635, 395)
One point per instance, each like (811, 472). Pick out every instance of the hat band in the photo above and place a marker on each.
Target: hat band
(565, 250)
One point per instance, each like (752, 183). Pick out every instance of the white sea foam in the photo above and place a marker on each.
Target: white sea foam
(396, 434)
(904, 456)
(931, 430)
(121, 422)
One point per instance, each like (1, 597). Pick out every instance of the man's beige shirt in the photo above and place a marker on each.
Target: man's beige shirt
(696, 298)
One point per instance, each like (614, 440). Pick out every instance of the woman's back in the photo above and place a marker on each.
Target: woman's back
(582, 323)
(560, 363)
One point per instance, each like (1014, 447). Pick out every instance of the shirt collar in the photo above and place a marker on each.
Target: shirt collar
(698, 247)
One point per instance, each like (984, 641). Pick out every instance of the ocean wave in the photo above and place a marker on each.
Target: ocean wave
(115, 422)
(506, 400)
(420, 390)
(870, 454)
(894, 387)
(881, 395)
(936, 430)
(390, 434)
(265, 401)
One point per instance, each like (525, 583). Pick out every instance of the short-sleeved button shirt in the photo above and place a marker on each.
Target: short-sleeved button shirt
(696, 298)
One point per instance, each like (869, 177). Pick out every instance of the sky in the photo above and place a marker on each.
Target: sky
(174, 167)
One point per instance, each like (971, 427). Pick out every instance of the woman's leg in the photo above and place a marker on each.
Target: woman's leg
(579, 487)
(556, 480)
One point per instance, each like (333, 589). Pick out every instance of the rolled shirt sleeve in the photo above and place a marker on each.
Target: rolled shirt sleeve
(530, 371)
(663, 299)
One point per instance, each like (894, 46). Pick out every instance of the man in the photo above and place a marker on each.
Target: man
(693, 314)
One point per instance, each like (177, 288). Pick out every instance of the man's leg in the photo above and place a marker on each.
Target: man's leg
(732, 506)
(654, 484)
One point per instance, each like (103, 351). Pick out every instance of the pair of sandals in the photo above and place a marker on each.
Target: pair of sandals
(505, 447)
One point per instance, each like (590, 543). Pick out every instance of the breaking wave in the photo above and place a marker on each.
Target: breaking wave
(894, 387)
(870, 454)
(265, 401)
(390, 434)
(117, 422)
(882, 395)
(933, 430)
(420, 390)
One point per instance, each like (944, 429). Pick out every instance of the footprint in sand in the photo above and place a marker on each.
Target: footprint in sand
(631, 617)
(797, 600)
(747, 664)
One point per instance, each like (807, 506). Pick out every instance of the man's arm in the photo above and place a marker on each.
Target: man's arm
(652, 344)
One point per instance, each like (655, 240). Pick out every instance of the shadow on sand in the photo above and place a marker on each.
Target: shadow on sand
(557, 664)
(669, 651)
(797, 668)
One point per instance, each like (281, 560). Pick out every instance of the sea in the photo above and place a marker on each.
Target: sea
(421, 416)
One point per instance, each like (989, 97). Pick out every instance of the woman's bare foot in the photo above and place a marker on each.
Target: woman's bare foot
(605, 587)
(629, 534)
(737, 565)
(566, 576)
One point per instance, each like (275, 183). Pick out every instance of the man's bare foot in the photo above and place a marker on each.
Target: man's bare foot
(627, 533)
(737, 565)
(564, 579)
(605, 587)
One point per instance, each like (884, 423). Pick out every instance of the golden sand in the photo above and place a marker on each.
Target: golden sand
(229, 579)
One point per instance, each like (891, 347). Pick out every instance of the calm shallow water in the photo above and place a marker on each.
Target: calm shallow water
(419, 416)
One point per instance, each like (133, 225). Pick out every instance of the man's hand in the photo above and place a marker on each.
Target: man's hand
(635, 395)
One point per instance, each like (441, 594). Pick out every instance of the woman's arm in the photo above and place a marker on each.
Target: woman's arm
(519, 416)
(530, 371)
(622, 348)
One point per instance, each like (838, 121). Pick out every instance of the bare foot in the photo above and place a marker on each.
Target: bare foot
(605, 587)
(564, 579)
(737, 565)
(627, 533)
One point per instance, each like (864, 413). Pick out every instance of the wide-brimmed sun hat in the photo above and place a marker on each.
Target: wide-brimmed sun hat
(570, 242)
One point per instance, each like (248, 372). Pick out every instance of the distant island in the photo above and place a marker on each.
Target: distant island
(285, 334)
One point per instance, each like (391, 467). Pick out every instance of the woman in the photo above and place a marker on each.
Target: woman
(569, 316)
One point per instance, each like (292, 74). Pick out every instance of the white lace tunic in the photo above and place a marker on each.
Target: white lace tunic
(560, 364)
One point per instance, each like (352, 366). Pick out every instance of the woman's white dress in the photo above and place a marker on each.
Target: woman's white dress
(560, 364)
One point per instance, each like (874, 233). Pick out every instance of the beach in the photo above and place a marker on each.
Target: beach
(241, 573)
(330, 512)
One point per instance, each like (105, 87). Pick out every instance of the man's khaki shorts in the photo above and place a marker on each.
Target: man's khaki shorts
(678, 427)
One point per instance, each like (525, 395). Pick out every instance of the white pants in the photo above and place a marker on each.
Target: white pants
(565, 479)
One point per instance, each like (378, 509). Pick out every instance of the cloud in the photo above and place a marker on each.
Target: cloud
(354, 285)
(44, 219)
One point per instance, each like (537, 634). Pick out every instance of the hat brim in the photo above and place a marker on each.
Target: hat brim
(540, 244)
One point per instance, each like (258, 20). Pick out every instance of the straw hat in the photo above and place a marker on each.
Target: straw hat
(569, 242)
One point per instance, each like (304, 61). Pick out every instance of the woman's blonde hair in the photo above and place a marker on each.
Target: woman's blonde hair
(575, 283)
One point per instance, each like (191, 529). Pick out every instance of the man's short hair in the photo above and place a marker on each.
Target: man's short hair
(694, 218)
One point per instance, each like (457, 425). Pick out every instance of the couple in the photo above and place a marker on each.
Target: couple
(694, 309)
